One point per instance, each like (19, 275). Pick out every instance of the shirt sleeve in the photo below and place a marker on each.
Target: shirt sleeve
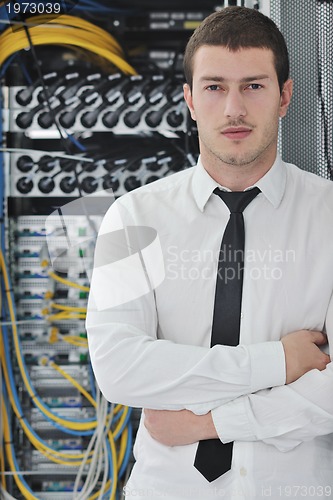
(132, 366)
(282, 416)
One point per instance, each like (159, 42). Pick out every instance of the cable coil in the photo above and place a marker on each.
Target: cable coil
(64, 30)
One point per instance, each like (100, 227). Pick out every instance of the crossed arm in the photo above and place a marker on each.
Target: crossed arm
(220, 392)
(175, 428)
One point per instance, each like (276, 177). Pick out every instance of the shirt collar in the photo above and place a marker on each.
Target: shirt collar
(272, 184)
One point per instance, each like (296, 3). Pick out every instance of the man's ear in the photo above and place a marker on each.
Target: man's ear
(189, 100)
(286, 94)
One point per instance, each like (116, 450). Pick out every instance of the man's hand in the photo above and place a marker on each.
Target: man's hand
(303, 354)
(178, 428)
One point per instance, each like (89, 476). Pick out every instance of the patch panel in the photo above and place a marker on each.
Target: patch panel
(72, 327)
(28, 248)
(25, 230)
(37, 227)
(165, 59)
(30, 266)
(45, 424)
(78, 372)
(175, 20)
(60, 390)
(61, 352)
(34, 331)
(56, 486)
(68, 301)
(72, 294)
(71, 266)
(31, 288)
(55, 495)
(38, 347)
(42, 330)
(53, 304)
(127, 105)
(39, 461)
(69, 413)
(47, 392)
(64, 401)
(77, 226)
(65, 444)
(30, 310)
(63, 182)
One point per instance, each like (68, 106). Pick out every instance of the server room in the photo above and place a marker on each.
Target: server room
(156, 340)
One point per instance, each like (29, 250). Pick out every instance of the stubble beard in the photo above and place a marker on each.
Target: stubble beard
(241, 161)
(244, 159)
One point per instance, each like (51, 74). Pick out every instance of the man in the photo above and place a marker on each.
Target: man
(151, 306)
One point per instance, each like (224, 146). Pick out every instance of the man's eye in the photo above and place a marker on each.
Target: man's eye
(213, 87)
(254, 86)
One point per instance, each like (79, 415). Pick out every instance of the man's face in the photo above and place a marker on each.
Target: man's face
(236, 103)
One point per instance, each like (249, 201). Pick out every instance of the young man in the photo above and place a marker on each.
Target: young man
(151, 307)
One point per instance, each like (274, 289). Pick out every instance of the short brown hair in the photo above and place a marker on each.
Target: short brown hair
(236, 28)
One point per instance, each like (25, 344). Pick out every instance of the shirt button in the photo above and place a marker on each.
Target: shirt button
(242, 315)
(243, 471)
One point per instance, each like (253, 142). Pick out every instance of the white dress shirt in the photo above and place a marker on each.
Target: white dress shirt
(149, 325)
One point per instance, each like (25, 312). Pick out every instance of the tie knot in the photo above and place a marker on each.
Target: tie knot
(237, 201)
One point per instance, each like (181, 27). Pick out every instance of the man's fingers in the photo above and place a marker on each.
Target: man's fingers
(303, 353)
(318, 338)
(327, 359)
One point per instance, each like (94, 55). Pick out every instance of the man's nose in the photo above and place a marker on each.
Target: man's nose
(234, 104)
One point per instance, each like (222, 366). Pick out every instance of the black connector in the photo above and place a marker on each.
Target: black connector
(46, 185)
(24, 185)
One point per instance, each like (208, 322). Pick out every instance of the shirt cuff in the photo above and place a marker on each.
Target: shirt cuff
(232, 423)
(268, 365)
(268, 369)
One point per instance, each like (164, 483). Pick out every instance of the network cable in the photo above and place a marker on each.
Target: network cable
(64, 30)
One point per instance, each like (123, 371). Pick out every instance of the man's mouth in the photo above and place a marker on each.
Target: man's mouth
(236, 133)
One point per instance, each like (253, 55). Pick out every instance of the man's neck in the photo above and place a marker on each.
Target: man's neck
(237, 178)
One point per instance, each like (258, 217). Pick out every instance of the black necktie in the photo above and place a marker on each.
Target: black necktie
(213, 458)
